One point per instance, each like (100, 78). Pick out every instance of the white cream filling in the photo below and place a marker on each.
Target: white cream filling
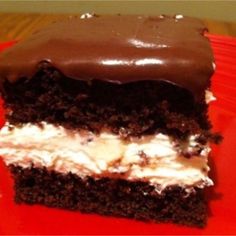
(151, 158)
(209, 96)
(87, 15)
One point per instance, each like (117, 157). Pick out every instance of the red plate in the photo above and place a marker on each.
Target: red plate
(24, 219)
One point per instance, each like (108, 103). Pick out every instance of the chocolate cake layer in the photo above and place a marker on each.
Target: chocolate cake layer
(106, 196)
(118, 49)
(131, 109)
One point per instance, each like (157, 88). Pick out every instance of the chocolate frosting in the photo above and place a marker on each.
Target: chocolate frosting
(117, 49)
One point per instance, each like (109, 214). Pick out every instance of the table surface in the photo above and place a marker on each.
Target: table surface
(15, 26)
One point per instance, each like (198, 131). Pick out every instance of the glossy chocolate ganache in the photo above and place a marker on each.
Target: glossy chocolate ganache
(117, 49)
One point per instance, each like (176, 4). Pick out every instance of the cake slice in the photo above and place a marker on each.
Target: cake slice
(108, 114)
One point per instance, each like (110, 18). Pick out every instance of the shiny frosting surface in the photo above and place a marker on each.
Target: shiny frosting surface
(117, 49)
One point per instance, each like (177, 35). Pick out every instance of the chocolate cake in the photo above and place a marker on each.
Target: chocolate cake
(108, 115)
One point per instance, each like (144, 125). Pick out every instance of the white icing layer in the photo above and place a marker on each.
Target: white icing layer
(150, 158)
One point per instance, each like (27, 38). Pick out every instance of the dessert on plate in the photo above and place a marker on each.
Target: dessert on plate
(108, 115)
